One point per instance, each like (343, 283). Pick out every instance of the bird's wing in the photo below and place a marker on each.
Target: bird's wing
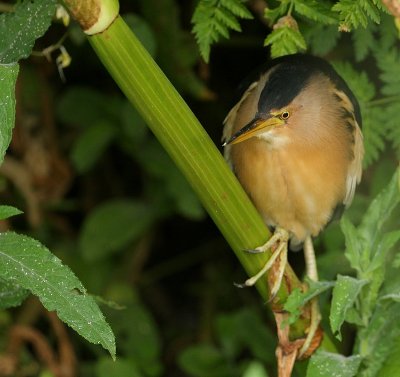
(355, 168)
(229, 121)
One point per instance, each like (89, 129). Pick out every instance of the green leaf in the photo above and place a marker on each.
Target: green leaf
(391, 365)
(364, 41)
(375, 124)
(254, 335)
(20, 29)
(112, 226)
(138, 337)
(238, 8)
(245, 329)
(357, 80)
(11, 294)
(321, 38)
(271, 15)
(355, 13)
(213, 19)
(379, 211)
(386, 243)
(354, 247)
(376, 341)
(91, 144)
(316, 11)
(118, 368)
(388, 63)
(8, 211)
(28, 263)
(298, 299)
(344, 295)
(323, 364)
(81, 106)
(284, 41)
(204, 360)
(255, 369)
(8, 78)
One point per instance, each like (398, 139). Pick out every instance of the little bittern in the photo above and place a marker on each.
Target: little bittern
(295, 144)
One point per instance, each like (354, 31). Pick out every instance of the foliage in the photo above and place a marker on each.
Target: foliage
(367, 249)
(29, 264)
(26, 265)
(35, 16)
(214, 19)
(115, 208)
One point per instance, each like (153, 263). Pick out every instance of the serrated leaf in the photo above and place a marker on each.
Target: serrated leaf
(272, 15)
(298, 299)
(284, 41)
(354, 247)
(20, 29)
(380, 210)
(388, 63)
(25, 261)
(323, 364)
(344, 295)
(384, 246)
(391, 366)
(8, 78)
(237, 8)
(376, 341)
(227, 18)
(316, 11)
(112, 226)
(321, 38)
(357, 80)
(11, 294)
(353, 14)
(8, 211)
(374, 132)
(364, 41)
(213, 19)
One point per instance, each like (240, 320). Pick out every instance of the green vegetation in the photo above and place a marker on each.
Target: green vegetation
(109, 199)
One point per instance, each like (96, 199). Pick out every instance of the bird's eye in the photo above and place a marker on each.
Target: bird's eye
(285, 115)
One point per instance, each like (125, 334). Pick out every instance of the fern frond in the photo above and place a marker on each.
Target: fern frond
(374, 131)
(271, 15)
(389, 65)
(363, 41)
(227, 19)
(355, 13)
(214, 19)
(284, 41)
(237, 8)
(374, 128)
(321, 39)
(316, 11)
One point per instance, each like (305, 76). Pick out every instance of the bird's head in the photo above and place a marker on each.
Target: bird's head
(261, 125)
(300, 99)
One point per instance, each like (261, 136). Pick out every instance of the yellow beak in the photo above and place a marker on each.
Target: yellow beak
(255, 126)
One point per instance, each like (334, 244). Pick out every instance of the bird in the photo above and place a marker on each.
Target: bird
(295, 144)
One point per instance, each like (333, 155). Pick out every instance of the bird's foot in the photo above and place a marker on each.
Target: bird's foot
(279, 243)
(315, 315)
(314, 336)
